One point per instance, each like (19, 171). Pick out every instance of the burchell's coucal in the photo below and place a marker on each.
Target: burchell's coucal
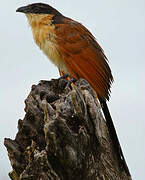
(75, 51)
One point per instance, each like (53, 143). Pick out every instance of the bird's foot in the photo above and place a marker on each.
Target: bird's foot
(65, 76)
(70, 83)
(69, 79)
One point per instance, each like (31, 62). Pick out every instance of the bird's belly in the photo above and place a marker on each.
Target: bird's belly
(51, 51)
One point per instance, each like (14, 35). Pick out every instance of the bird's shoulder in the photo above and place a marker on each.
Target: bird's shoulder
(68, 27)
(72, 34)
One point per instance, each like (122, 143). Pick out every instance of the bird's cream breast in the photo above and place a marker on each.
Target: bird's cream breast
(51, 50)
(45, 37)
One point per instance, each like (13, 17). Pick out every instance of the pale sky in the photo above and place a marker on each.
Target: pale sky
(119, 27)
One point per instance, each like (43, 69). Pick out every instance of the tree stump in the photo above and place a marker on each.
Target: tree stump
(63, 136)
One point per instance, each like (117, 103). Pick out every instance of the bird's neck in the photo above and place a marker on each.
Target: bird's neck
(35, 19)
(41, 25)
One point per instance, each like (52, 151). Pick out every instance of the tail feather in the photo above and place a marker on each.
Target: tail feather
(113, 136)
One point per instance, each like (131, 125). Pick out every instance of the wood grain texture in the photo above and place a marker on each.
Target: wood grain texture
(63, 136)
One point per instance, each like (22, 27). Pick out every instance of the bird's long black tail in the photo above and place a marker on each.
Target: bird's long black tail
(113, 136)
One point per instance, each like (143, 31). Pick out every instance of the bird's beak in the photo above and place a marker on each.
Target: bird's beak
(23, 9)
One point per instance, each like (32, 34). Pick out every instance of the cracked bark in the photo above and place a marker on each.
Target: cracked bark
(63, 136)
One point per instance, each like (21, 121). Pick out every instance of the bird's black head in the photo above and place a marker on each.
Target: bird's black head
(38, 8)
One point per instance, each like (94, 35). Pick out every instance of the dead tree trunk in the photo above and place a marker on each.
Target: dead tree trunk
(63, 136)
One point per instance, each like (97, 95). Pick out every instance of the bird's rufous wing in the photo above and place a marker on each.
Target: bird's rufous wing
(83, 56)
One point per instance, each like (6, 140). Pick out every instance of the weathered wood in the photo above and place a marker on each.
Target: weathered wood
(63, 136)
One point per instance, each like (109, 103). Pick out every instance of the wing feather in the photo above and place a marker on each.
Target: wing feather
(83, 56)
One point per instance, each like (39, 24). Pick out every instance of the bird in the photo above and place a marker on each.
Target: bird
(75, 51)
